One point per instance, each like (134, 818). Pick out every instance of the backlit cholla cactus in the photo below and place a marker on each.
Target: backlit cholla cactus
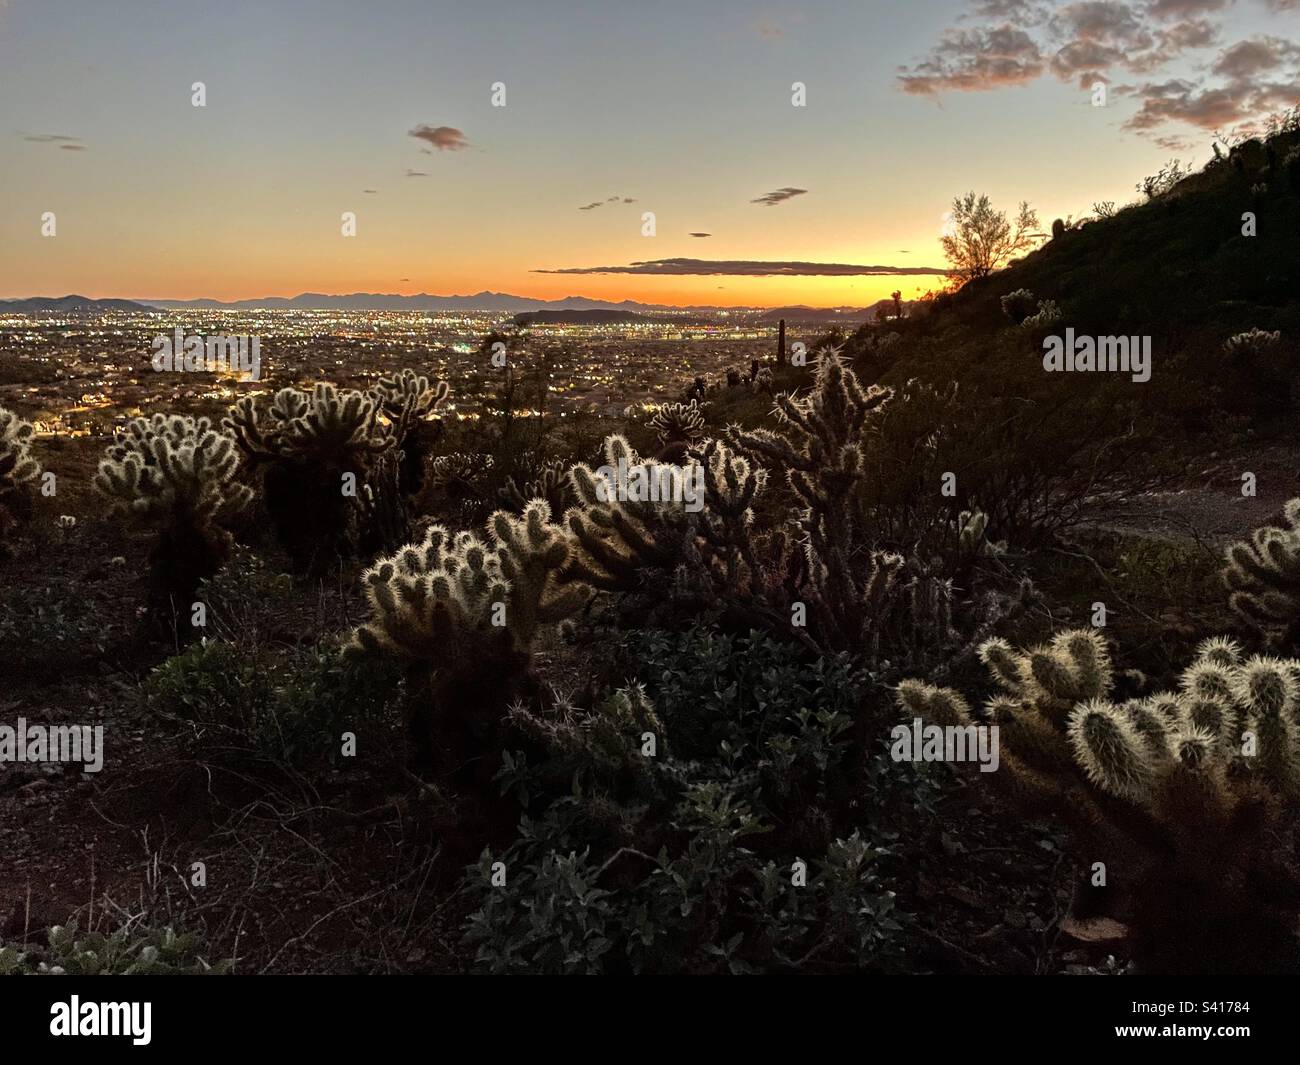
(309, 444)
(408, 398)
(410, 401)
(819, 446)
(324, 427)
(1019, 305)
(179, 475)
(1048, 313)
(622, 543)
(464, 612)
(678, 427)
(1252, 343)
(551, 483)
(17, 467)
(1263, 580)
(1175, 792)
(457, 474)
(608, 739)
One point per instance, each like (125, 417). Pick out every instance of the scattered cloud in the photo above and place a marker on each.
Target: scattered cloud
(746, 268)
(601, 203)
(975, 60)
(444, 138)
(1085, 41)
(416, 173)
(769, 30)
(701, 234)
(771, 199)
(68, 144)
(371, 192)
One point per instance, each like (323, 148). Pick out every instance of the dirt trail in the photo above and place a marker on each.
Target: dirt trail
(1209, 507)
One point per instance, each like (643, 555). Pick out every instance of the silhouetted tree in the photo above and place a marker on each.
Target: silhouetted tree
(982, 239)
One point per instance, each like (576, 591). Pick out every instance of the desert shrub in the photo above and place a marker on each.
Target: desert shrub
(1251, 344)
(1178, 795)
(135, 949)
(288, 707)
(549, 481)
(682, 860)
(177, 475)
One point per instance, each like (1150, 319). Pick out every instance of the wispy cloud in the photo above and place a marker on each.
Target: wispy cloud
(444, 138)
(771, 199)
(601, 203)
(416, 173)
(746, 268)
(701, 234)
(68, 144)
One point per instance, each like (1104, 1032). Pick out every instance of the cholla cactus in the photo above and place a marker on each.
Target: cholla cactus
(550, 483)
(763, 380)
(457, 474)
(607, 738)
(678, 427)
(1048, 313)
(323, 427)
(1263, 580)
(174, 468)
(178, 474)
(407, 398)
(309, 444)
(1019, 305)
(1175, 788)
(698, 542)
(17, 467)
(1252, 343)
(464, 612)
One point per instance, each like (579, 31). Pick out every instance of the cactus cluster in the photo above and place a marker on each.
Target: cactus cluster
(310, 446)
(701, 548)
(323, 427)
(1252, 343)
(465, 611)
(409, 402)
(1262, 576)
(1177, 787)
(17, 467)
(179, 475)
(550, 482)
(678, 427)
(1019, 305)
(606, 739)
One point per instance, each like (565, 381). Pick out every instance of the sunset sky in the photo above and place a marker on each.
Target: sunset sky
(682, 106)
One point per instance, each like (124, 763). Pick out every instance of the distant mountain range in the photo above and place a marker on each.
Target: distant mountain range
(501, 302)
(63, 304)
